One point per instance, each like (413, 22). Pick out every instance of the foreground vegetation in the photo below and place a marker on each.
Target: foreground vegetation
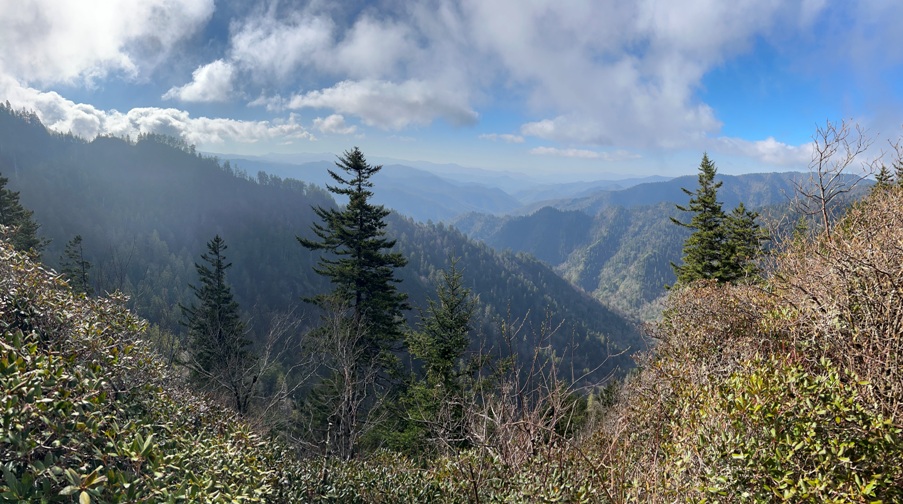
(785, 390)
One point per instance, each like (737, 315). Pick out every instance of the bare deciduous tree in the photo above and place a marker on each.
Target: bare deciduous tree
(836, 148)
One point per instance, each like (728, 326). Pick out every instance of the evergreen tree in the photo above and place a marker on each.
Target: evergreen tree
(703, 251)
(743, 243)
(358, 261)
(898, 171)
(444, 330)
(721, 247)
(434, 405)
(23, 230)
(883, 178)
(218, 350)
(75, 267)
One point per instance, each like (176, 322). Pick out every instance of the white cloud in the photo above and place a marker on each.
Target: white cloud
(274, 49)
(618, 73)
(334, 124)
(768, 151)
(47, 41)
(210, 83)
(86, 121)
(388, 105)
(373, 49)
(505, 137)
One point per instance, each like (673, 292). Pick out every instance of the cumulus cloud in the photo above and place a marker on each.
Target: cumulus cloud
(271, 48)
(505, 137)
(86, 121)
(48, 42)
(388, 105)
(768, 151)
(210, 83)
(618, 73)
(334, 124)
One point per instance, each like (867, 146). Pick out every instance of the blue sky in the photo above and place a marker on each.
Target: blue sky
(577, 89)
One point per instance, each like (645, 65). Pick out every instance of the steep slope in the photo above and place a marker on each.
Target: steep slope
(146, 209)
(621, 256)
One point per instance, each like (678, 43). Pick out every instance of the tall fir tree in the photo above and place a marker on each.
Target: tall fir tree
(217, 347)
(74, 265)
(703, 251)
(721, 247)
(22, 230)
(358, 259)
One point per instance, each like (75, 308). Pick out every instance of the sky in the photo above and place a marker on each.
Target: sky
(568, 89)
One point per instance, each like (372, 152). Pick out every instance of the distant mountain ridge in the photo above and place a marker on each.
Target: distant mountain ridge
(440, 193)
(755, 190)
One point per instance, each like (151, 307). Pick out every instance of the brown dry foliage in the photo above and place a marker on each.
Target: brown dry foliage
(835, 300)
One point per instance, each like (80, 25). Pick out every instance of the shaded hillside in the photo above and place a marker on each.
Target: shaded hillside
(621, 256)
(145, 209)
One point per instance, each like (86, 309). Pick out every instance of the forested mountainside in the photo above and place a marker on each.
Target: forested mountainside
(623, 255)
(145, 208)
(619, 245)
(784, 391)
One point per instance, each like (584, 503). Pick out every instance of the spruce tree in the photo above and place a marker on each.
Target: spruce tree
(703, 251)
(883, 178)
(721, 247)
(444, 330)
(434, 404)
(217, 347)
(358, 260)
(74, 266)
(743, 244)
(22, 230)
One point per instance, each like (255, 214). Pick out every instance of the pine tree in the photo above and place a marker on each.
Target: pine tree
(703, 251)
(358, 261)
(75, 267)
(217, 347)
(22, 230)
(898, 171)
